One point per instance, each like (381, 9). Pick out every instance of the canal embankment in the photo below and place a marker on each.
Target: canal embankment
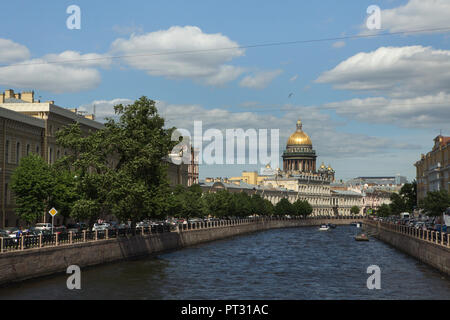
(43, 260)
(430, 247)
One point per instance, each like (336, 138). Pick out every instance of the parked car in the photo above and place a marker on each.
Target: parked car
(43, 226)
(59, 229)
(4, 234)
(101, 226)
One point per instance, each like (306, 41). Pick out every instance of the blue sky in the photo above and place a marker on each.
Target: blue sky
(401, 81)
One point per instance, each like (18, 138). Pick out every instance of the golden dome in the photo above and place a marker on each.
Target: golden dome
(299, 137)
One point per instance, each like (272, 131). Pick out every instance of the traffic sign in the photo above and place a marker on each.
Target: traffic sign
(53, 212)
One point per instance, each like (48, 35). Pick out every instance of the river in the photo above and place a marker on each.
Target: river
(293, 263)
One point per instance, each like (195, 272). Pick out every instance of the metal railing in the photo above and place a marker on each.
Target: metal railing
(430, 236)
(68, 238)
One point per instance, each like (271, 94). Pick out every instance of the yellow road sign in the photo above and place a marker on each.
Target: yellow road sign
(53, 212)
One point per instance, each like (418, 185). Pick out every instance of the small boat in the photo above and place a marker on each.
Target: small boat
(324, 227)
(362, 237)
(353, 224)
(332, 226)
(358, 225)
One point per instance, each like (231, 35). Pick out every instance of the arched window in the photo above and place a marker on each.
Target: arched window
(50, 155)
(17, 152)
(7, 151)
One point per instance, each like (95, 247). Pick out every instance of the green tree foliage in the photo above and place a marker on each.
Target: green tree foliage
(354, 210)
(269, 209)
(405, 200)
(32, 183)
(120, 168)
(435, 202)
(302, 208)
(242, 205)
(218, 204)
(257, 205)
(63, 193)
(384, 211)
(284, 207)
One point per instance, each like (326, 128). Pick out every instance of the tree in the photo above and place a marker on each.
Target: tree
(302, 208)
(121, 168)
(435, 202)
(257, 205)
(32, 183)
(64, 193)
(194, 202)
(354, 210)
(284, 207)
(242, 205)
(405, 200)
(218, 204)
(269, 209)
(384, 210)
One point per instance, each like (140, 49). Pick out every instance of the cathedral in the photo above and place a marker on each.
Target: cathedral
(300, 157)
(299, 179)
(300, 174)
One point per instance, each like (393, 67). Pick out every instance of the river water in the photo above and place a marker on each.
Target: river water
(294, 263)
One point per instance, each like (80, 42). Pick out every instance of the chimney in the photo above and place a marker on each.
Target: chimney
(2, 97)
(28, 96)
(17, 96)
(74, 110)
(9, 94)
(90, 116)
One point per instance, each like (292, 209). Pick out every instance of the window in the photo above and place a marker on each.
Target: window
(57, 154)
(50, 155)
(28, 149)
(6, 194)
(37, 149)
(7, 151)
(17, 152)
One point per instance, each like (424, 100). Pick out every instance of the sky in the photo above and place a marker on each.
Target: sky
(371, 100)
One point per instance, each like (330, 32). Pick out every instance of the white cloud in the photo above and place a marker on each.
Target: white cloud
(104, 108)
(396, 71)
(416, 14)
(327, 140)
(260, 80)
(419, 112)
(339, 44)
(181, 52)
(292, 79)
(75, 59)
(56, 78)
(12, 52)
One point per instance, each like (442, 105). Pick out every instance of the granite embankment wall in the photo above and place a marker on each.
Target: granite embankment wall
(37, 262)
(425, 246)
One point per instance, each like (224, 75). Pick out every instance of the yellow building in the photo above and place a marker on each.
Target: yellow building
(433, 169)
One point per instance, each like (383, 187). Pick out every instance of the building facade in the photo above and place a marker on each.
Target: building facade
(29, 126)
(433, 169)
(299, 179)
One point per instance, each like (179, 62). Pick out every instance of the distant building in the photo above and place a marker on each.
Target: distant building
(299, 179)
(433, 169)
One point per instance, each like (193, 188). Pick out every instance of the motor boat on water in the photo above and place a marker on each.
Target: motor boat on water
(362, 237)
(332, 226)
(324, 227)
